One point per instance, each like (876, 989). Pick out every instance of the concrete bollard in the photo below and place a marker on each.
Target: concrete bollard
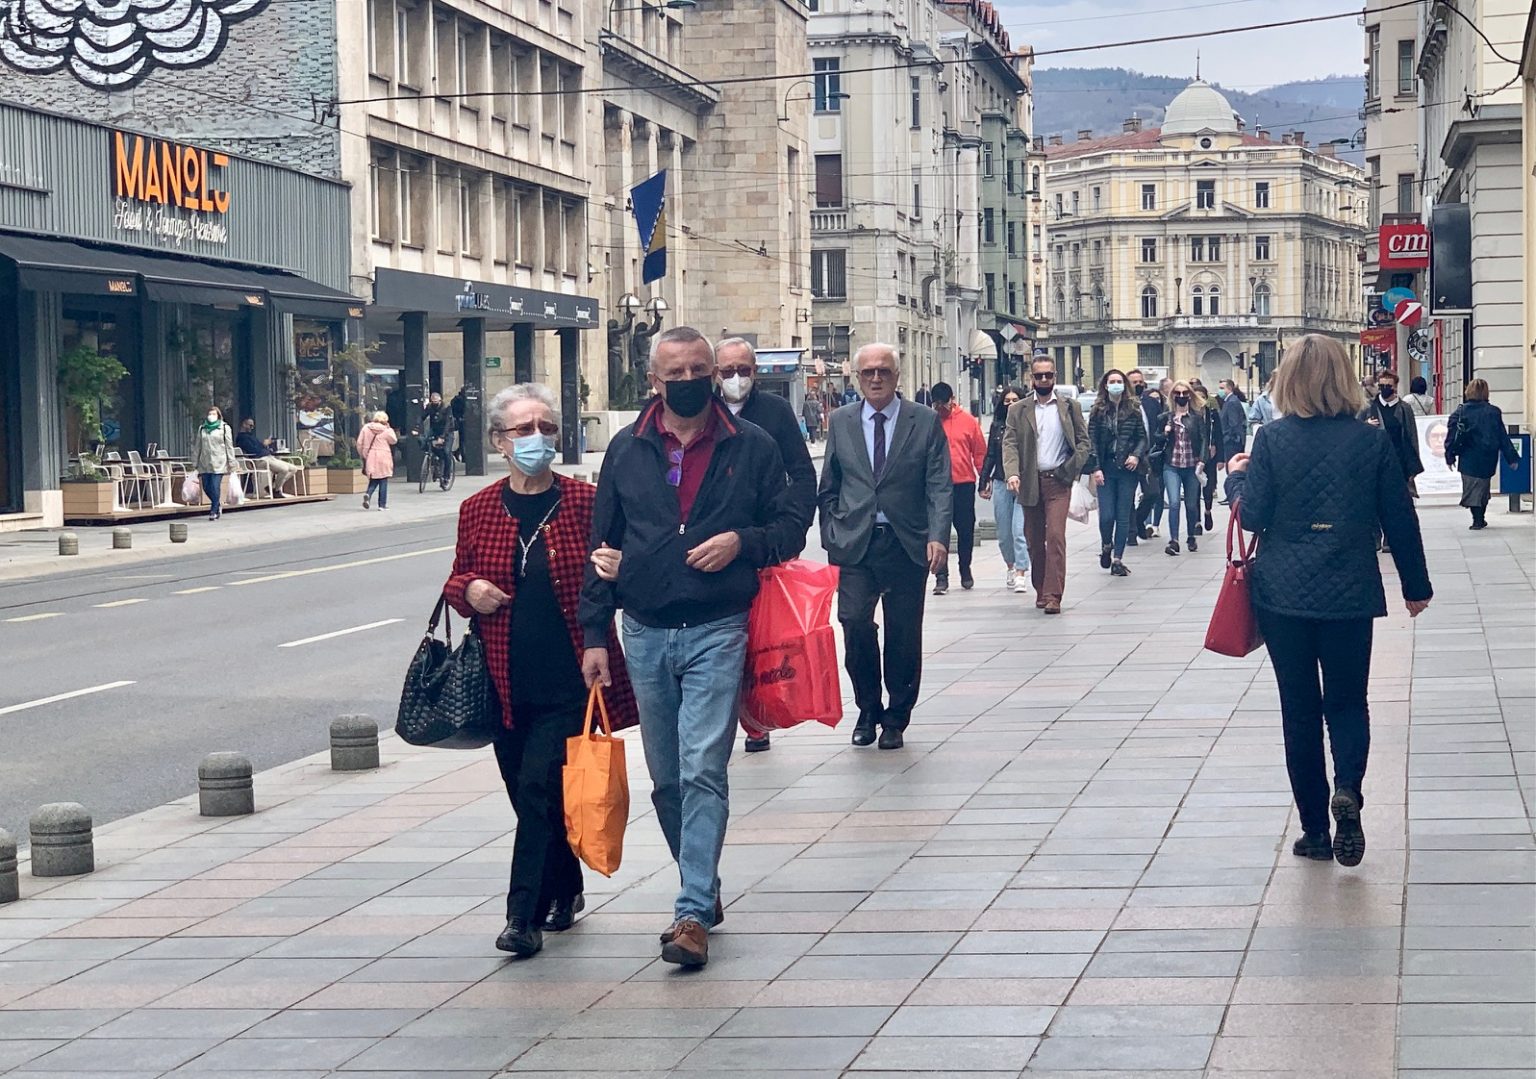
(122, 539)
(354, 744)
(10, 885)
(62, 844)
(69, 543)
(178, 532)
(224, 787)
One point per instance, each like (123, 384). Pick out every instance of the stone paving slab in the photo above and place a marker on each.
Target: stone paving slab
(1078, 867)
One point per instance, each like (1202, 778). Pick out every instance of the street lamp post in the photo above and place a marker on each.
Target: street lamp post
(628, 305)
(836, 95)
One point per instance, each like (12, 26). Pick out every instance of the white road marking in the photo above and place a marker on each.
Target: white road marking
(341, 633)
(195, 591)
(8, 709)
(35, 617)
(339, 565)
(121, 602)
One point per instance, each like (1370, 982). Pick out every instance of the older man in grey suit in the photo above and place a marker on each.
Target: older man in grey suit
(885, 501)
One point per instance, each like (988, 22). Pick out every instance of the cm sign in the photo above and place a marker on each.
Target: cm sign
(1404, 247)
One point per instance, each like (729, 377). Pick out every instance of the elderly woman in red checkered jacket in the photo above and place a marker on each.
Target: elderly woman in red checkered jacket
(522, 550)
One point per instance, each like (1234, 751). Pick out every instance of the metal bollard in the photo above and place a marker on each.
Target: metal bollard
(69, 543)
(10, 885)
(354, 744)
(122, 539)
(178, 532)
(224, 787)
(62, 844)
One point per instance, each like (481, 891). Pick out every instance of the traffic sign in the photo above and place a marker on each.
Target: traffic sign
(1409, 312)
(1394, 296)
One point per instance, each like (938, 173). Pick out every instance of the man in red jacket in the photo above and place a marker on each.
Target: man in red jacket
(967, 454)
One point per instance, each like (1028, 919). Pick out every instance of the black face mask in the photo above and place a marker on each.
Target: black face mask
(1181, 398)
(690, 396)
(1138, 388)
(1045, 389)
(1387, 391)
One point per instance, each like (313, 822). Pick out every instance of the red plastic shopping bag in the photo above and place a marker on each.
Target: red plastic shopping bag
(791, 674)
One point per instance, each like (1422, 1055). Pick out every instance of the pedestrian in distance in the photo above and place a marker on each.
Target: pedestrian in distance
(736, 369)
(924, 396)
(1476, 436)
(1180, 444)
(967, 457)
(696, 502)
(1006, 511)
(1117, 435)
(1149, 506)
(1262, 410)
(886, 498)
(213, 458)
(1234, 420)
(1387, 411)
(810, 412)
(256, 449)
(517, 570)
(1210, 463)
(1418, 400)
(376, 446)
(436, 432)
(1315, 489)
(456, 408)
(1045, 445)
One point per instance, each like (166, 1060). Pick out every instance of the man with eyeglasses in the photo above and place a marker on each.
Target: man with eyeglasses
(1045, 446)
(694, 502)
(886, 503)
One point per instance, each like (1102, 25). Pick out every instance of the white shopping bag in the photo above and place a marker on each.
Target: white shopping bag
(1084, 501)
(191, 490)
(234, 490)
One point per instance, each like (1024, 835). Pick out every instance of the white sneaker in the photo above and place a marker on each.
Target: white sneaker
(1021, 583)
(1155, 532)
(1011, 580)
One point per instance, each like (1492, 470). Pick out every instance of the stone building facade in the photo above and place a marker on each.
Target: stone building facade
(1197, 245)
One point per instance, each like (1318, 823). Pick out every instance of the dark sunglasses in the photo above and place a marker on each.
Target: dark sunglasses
(675, 472)
(1039, 377)
(544, 427)
(869, 374)
(744, 371)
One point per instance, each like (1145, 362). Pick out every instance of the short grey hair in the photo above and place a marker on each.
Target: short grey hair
(895, 356)
(678, 335)
(522, 391)
(736, 342)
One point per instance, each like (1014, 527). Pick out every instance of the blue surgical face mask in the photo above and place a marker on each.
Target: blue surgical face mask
(533, 454)
(1115, 388)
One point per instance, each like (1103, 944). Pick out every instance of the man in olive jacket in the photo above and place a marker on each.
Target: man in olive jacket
(1045, 446)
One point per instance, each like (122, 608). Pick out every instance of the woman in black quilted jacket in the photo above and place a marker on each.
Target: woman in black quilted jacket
(1316, 486)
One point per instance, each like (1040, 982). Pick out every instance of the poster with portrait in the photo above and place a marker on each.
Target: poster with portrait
(1436, 479)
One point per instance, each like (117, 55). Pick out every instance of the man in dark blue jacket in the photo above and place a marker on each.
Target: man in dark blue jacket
(698, 503)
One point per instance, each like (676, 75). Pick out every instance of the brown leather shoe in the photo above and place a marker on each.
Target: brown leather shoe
(719, 917)
(1040, 601)
(689, 946)
(1053, 605)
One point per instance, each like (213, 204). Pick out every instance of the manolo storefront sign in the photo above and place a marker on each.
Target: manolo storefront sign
(168, 192)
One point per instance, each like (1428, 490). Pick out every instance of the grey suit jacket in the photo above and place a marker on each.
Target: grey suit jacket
(914, 492)
(1021, 447)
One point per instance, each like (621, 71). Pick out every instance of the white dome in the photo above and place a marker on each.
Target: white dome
(1199, 107)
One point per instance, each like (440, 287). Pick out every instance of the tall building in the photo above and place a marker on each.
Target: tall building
(1473, 175)
(1392, 128)
(1528, 183)
(1198, 246)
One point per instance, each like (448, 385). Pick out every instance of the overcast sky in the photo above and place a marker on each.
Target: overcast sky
(1248, 61)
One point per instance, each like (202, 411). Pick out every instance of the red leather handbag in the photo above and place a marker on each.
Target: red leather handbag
(1234, 630)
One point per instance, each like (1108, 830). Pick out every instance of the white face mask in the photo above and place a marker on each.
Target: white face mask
(736, 388)
(213, 417)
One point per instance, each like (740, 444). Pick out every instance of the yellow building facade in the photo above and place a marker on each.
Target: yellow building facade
(1199, 248)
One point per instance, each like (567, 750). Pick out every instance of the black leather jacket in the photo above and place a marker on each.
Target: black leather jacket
(1162, 435)
(1115, 434)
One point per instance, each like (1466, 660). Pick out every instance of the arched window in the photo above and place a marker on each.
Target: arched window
(1261, 300)
(1149, 302)
(1061, 306)
(1100, 306)
(1197, 301)
(1215, 299)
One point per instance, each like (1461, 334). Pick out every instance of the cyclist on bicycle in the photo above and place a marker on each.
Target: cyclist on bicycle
(437, 437)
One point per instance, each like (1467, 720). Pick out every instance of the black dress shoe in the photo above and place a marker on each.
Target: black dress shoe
(1314, 845)
(521, 939)
(758, 745)
(864, 729)
(562, 913)
(890, 738)
(967, 582)
(1210, 522)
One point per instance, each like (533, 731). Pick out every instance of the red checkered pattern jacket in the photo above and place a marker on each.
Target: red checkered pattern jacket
(487, 549)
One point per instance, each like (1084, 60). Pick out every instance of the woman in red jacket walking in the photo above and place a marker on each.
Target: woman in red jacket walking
(522, 551)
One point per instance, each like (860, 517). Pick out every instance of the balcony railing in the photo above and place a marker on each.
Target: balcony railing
(829, 220)
(1212, 322)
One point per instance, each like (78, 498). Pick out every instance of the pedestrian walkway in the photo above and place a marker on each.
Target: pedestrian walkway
(1079, 866)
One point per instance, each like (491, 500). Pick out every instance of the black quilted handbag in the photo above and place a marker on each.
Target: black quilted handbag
(447, 702)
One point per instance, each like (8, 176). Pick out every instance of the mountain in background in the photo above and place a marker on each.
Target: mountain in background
(1070, 99)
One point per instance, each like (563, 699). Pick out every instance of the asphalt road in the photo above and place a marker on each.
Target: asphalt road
(192, 652)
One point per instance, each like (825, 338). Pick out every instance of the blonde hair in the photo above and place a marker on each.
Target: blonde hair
(1315, 378)
(1175, 389)
(1477, 390)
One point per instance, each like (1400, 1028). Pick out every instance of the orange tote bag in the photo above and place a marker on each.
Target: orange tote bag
(596, 791)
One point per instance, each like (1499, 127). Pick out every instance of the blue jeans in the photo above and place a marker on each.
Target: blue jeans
(686, 683)
(380, 486)
(1115, 499)
(213, 488)
(1180, 485)
(1009, 516)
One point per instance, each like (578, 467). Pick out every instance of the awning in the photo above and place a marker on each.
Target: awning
(58, 265)
(983, 347)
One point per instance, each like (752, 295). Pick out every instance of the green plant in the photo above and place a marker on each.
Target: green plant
(85, 469)
(86, 380)
(344, 460)
(337, 389)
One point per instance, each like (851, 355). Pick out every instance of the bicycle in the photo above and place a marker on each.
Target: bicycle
(436, 467)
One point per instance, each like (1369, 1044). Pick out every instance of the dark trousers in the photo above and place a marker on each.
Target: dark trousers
(531, 757)
(1149, 509)
(1115, 507)
(887, 575)
(1301, 650)
(213, 488)
(381, 486)
(963, 506)
(1211, 479)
